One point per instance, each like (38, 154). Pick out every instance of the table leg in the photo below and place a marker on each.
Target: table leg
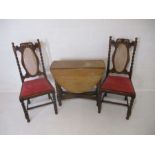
(59, 93)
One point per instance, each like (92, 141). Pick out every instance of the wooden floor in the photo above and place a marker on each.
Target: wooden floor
(77, 116)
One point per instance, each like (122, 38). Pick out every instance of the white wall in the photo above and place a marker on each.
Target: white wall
(77, 39)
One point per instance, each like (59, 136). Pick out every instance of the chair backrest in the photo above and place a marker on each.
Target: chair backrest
(29, 59)
(121, 56)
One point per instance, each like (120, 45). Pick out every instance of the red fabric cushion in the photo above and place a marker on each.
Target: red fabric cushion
(118, 84)
(35, 87)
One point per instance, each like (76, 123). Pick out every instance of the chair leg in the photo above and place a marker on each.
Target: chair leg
(48, 96)
(125, 98)
(25, 111)
(105, 94)
(29, 102)
(130, 109)
(54, 103)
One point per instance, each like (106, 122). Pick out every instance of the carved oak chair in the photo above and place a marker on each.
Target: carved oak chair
(33, 76)
(119, 72)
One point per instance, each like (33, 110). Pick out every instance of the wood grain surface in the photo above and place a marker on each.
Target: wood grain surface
(78, 76)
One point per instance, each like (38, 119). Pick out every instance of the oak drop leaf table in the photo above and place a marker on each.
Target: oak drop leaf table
(77, 78)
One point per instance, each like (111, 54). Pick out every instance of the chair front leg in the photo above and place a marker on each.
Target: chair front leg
(25, 111)
(130, 108)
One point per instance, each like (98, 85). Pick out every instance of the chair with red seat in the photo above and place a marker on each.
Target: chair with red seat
(119, 72)
(33, 76)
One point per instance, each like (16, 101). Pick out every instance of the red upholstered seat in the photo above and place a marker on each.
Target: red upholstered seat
(118, 84)
(35, 87)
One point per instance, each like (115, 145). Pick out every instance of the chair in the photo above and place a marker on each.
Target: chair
(33, 76)
(119, 72)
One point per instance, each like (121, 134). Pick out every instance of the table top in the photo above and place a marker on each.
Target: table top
(77, 76)
(71, 64)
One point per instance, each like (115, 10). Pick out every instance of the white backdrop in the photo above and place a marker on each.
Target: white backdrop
(77, 39)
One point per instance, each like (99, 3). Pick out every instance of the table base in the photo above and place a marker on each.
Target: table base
(61, 94)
